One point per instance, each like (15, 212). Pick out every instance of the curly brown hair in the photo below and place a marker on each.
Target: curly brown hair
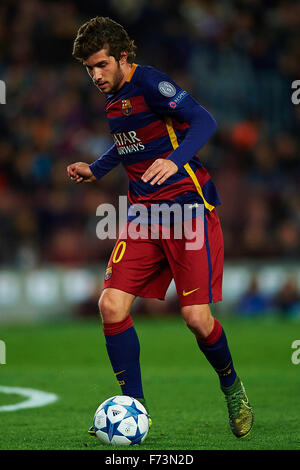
(99, 33)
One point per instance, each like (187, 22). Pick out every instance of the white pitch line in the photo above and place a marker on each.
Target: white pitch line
(35, 398)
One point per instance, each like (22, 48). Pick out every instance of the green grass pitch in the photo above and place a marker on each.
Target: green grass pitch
(186, 404)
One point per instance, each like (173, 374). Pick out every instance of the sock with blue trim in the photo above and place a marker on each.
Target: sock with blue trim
(123, 349)
(216, 350)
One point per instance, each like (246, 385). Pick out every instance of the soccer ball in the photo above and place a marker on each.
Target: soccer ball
(121, 420)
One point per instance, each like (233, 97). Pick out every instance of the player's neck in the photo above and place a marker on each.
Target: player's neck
(127, 71)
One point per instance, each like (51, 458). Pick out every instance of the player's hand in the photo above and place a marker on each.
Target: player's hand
(160, 170)
(80, 172)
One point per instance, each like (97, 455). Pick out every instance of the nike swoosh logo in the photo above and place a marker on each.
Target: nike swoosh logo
(117, 373)
(189, 292)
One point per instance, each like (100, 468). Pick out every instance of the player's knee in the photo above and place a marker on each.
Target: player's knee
(199, 320)
(110, 309)
(107, 308)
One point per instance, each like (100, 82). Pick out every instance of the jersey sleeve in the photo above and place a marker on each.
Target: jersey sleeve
(109, 160)
(166, 98)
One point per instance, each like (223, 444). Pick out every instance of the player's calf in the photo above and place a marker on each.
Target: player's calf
(215, 348)
(121, 341)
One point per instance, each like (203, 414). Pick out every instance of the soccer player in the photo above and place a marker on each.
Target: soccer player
(157, 130)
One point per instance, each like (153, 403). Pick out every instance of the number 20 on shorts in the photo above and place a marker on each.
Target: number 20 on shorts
(119, 252)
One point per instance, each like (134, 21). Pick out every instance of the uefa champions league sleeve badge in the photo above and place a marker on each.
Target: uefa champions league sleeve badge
(167, 89)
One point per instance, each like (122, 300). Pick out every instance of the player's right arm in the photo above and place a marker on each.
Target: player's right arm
(81, 172)
(167, 99)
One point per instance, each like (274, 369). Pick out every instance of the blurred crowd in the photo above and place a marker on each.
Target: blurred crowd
(284, 302)
(237, 58)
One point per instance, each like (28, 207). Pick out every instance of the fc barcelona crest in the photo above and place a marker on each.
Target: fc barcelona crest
(108, 273)
(126, 107)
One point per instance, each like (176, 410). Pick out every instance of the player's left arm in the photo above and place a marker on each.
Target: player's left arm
(168, 99)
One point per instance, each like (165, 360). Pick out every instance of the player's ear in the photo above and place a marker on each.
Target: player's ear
(123, 57)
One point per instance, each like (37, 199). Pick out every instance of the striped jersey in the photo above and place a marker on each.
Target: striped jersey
(151, 117)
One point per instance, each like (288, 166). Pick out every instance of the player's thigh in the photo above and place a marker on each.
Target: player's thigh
(197, 268)
(114, 305)
(138, 267)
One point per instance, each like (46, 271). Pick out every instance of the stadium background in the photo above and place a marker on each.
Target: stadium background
(238, 58)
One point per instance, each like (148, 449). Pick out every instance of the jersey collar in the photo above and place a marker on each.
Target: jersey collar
(133, 69)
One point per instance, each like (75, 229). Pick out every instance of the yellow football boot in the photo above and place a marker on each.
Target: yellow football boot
(239, 409)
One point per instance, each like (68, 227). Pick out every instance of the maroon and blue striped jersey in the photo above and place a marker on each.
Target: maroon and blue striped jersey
(151, 117)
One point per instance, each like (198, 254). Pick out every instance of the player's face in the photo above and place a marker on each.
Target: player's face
(105, 71)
